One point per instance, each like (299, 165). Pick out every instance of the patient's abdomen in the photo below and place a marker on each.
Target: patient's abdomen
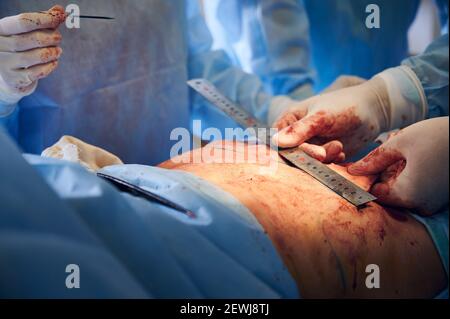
(326, 242)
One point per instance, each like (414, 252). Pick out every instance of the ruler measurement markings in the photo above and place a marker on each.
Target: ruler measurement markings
(300, 159)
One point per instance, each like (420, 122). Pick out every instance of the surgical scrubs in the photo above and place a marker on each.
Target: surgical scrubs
(274, 38)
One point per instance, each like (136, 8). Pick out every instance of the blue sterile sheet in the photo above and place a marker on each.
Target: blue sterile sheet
(54, 213)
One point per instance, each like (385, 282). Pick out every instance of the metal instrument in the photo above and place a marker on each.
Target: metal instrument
(336, 182)
(138, 191)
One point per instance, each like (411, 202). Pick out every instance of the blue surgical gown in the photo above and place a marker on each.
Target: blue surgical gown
(270, 37)
(121, 84)
(431, 68)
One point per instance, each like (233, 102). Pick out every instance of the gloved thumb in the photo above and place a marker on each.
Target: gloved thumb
(302, 130)
(375, 162)
(327, 153)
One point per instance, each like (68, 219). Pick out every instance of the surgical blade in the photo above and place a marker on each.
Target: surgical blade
(321, 172)
(138, 191)
(83, 16)
(93, 17)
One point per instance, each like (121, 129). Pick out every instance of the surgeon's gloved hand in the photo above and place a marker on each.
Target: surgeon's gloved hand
(354, 115)
(29, 51)
(89, 156)
(344, 81)
(280, 104)
(413, 164)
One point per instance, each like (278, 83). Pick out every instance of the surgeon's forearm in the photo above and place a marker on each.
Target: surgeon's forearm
(241, 87)
(431, 68)
(272, 40)
(215, 66)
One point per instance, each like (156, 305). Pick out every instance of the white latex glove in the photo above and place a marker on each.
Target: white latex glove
(281, 103)
(72, 149)
(344, 81)
(355, 115)
(29, 51)
(413, 164)
(331, 151)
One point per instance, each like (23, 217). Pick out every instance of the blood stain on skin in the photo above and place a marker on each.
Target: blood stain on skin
(342, 232)
(381, 234)
(397, 215)
(355, 275)
(378, 224)
(279, 241)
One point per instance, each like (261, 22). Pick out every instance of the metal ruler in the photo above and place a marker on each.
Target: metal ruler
(336, 182)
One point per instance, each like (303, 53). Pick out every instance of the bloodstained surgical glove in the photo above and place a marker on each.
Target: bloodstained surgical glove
(413, 164)
(29, 51)
(354, 115)
(280, 104)
(333, 150)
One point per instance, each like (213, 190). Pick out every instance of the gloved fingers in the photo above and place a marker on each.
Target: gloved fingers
(30, 40)
(75, 150)
(39, 71)
(18, 81)
(289, 118)
(285, 121)
(334, 151)
(327, 153)
(302, 130)
(384, 193)
(21, 80)
(25, 89)
(393, 171)
(389, 190)
(316, 151)
(376, 161)
(37, 56)
(26, 22)
(340, 158)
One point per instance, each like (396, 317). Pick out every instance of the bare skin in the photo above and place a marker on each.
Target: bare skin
(325, 242)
